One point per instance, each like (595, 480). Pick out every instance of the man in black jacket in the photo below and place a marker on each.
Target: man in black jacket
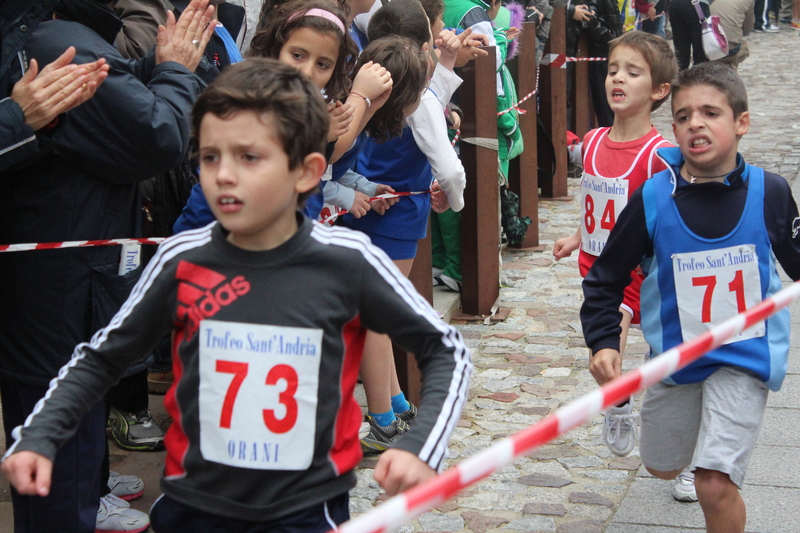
(78, 181)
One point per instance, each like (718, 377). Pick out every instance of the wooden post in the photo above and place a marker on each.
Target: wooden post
(408, 374)
(480, 220)
(523, 174)
(553, 82)
(582, 106)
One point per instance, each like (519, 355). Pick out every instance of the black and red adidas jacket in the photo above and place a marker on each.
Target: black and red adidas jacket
(250, 438)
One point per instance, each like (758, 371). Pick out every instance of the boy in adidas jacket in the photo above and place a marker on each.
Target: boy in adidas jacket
(269, 312)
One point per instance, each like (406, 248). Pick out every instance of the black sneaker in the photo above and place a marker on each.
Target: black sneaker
(408, 415)
(379, 438)
(137, 432)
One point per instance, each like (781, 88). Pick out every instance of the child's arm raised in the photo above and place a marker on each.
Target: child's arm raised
(371, 83)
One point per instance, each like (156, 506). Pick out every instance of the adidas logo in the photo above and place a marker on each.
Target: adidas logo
(203, 292)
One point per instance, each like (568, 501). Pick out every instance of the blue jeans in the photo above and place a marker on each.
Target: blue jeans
(656, 27)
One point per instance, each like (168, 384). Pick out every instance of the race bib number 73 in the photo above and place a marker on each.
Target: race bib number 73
(258, 394)
(713, 286)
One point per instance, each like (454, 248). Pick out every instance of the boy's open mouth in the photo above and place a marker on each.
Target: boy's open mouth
(229, 204)
(617, 94)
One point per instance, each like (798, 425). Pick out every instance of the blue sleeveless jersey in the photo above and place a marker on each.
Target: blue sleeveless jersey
(765, 356)
(400, 163)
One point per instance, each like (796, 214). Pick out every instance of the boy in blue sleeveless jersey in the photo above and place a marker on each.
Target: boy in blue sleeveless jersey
(707, 232)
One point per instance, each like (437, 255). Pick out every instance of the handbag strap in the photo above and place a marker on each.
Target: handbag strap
(700, 14)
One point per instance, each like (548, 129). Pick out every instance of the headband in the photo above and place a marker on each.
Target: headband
(316, 12)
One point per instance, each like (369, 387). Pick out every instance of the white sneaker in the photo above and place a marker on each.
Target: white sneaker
(683, 489)
(619, 429)
(125, 487)
(116, 516)
(771, 28)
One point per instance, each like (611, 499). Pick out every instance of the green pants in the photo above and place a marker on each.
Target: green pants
(446, 242)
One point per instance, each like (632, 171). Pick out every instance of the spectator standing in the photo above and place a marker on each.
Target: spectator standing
(687, 36)
(736, 17)
(78, 182)
(603, 26)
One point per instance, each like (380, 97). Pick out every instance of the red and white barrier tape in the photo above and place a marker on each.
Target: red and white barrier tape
(561, 60)
(424, 497)
(25, 247)
(525, 99)
(455, 138)
(328, 217)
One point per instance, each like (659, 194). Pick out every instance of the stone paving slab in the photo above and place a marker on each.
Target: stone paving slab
(776, 428)
(789, 395)
(776, 466)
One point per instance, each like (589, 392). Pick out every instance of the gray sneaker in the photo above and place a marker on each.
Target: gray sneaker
(137, 432)
(619, 429)
(125, 487)
(409, 414)
(380, 438)
(116, 515)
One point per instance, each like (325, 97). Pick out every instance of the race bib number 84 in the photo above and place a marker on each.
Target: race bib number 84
(713, 286)
(603, 200)
(258, 394)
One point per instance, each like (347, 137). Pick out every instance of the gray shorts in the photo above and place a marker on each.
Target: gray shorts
(713, 424)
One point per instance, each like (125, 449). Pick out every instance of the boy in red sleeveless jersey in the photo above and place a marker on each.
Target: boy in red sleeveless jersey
(616, 162)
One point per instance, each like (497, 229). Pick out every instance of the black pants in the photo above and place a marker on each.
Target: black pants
(71, 506)
(687, 33)
(598, 71)
(171, 516)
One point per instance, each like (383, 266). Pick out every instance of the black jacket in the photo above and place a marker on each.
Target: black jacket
(81, 184)
(603, 27)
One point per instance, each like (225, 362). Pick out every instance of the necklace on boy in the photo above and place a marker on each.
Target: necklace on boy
(694, 178)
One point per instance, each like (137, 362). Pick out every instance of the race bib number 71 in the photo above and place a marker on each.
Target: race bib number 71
(258, 394)
(713, 286)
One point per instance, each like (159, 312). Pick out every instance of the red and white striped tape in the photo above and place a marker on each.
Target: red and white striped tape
(561, 60)
(455, 138)
(330, 217)
(25, 247)
(525, 99)
(424, 497)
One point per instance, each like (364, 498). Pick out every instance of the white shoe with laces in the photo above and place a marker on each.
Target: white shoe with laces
(116, 516)
(619, 429)
(683, 490)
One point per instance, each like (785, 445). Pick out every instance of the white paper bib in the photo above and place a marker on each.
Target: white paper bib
(258, 394)
(603, 199)
(713, 286)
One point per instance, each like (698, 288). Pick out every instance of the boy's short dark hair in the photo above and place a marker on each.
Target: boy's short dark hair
(656, 51)
(718, 75)
(408, 65)
(400, 17)
(262, 86)
(433, 10)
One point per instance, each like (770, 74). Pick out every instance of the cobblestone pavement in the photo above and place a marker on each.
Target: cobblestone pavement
(535, 361)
